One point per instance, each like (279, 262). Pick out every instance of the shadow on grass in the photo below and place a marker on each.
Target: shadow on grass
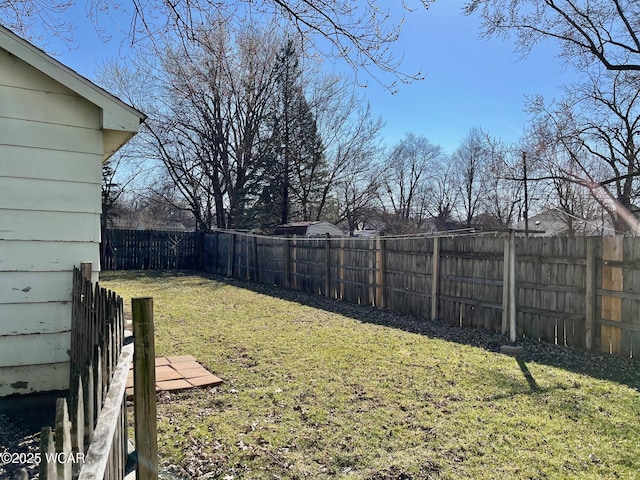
(598, 365)
(533, 385)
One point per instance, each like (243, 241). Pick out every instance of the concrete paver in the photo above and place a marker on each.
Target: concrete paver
(178, 372)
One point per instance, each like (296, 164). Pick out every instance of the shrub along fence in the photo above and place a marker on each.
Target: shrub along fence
(582, 292)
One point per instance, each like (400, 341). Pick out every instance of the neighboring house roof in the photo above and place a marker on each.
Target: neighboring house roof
(367, 232)
(549, 223)
(119, 120)
(552, 223)
(308, 229)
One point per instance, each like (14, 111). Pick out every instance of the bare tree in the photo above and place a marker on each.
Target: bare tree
(559, 194)
(356, 192)
(213, 110)
(471, 161)
(443, 195)
(37, 19)
(206, 101)
(587, 31)
(361, 33)
(405, 182)
(595, 127)
(350, 142)
(510, 194)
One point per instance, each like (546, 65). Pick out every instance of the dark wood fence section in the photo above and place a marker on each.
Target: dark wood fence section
(582, 292)
(150, 250)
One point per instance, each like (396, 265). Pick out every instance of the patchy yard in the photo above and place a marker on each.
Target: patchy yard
(317, 388)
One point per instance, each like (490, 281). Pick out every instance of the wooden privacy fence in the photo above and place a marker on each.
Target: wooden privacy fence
(150, 250)
(90, 438)
(582, 292)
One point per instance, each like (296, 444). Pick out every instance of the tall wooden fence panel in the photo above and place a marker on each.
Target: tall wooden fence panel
(408, 275)
(217, 253)
(580, 292)
(271, 260)
(307, 265)
(617, 328)
(471, 281)
(151, 250)
(551, 289)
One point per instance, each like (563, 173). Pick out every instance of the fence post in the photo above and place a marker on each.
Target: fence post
(327, 266)
(287, 263)
(247, 263)
(215, 252)
(590, 294)
(341, 269)
(86, 269)
(200, 245)
(256, 269)
(380, 265)
(512, 286)
(231, 253)
(505, 286)
(435, 277)
(371, 254)
(144, 388)
(294, 264)
(231, 243)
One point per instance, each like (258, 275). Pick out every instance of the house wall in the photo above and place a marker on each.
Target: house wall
(51, 150)
(321, 229)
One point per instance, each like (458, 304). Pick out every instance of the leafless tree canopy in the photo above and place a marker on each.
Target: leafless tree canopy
(362, 33)
(408, 170)
(26, 17)
(606, 31)
(592, 137)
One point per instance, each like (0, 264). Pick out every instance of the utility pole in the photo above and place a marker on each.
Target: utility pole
(285, 182)
(526, 194)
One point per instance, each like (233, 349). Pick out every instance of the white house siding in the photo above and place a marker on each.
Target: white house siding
(322, 228)
(51, 150)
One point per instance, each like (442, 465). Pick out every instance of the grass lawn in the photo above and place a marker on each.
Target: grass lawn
(316, 388)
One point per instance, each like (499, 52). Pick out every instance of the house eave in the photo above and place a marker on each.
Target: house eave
(116, 114)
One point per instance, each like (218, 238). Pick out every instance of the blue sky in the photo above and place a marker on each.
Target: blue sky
(469, 81)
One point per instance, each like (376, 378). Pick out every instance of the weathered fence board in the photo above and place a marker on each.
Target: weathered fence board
(91, 443)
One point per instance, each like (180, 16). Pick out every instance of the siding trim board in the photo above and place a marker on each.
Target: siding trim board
(27, 318)
(27, 379)
(43, 163)
(28, 194)
(30, 349)
(36, 225)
